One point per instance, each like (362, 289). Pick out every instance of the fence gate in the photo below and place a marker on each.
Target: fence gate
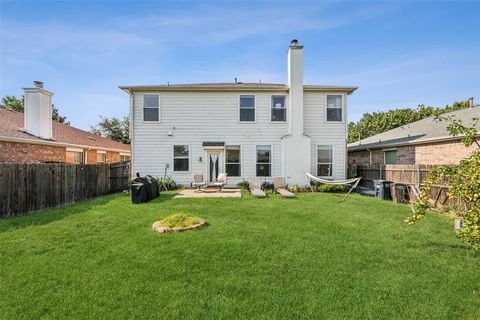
(119, 173)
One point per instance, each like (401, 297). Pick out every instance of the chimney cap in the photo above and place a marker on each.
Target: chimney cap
(295, 45)
(38, 84)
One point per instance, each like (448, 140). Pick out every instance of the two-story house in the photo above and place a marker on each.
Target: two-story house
(243, 129)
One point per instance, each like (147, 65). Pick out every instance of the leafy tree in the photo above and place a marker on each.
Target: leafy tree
(12, 102)
(112, 128)
(463, 182)
(377, 122)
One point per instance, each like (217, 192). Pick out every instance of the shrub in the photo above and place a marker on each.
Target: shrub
(244, 185)
(167, 183)
(180, 220)
(333, 188)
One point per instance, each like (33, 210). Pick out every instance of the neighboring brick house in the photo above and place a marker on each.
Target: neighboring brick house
(32, 137)
(421, 142)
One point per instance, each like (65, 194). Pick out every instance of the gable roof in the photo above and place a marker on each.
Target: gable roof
(422, 131)
(12, 124)
(234, 86)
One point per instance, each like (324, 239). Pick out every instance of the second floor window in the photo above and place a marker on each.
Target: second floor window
(151, 107)
(180, 158)
(334, 108)
(247, 108)
(279, 110)
(232, 161)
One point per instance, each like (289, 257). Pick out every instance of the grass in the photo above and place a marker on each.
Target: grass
(180, 220)
(274, 258)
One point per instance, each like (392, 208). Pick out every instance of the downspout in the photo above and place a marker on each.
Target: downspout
(370, 156)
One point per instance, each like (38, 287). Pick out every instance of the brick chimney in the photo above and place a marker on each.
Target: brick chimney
(38, 111)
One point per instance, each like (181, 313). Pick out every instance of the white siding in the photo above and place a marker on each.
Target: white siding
(195, 117)
(325, 133)
(199, 117)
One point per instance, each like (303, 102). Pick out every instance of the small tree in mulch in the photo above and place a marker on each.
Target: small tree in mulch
(463, 182)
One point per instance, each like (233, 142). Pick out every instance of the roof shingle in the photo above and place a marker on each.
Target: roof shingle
(12, 123)
(421, 131)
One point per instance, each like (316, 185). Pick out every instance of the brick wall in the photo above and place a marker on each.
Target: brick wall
(447, 152)
(91, 156)
(30, 153)
(450, 152)
(113, 157)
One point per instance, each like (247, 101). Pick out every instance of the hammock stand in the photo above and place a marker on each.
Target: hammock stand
(354, 181)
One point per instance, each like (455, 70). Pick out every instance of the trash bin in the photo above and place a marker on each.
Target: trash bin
(382, 189)
(146, 185)
(138, 193)
(153, 186)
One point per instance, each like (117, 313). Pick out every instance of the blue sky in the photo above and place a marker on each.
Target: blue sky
(400, 54)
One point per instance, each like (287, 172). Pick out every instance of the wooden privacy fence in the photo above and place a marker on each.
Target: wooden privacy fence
(31, 187)
(411, 175)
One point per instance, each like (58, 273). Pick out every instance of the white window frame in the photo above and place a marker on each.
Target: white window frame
(77, 150)
(188, 157)
(332, 163)
(254, 108)
(103, 153)
(270, 162)
(143, 108)
(285, 104)
(125, 155)
(240, 155)
(342, 107)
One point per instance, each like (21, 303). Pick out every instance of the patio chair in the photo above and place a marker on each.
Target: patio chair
(198, 182)
(221, 181)
(255, 188)
(280, 187)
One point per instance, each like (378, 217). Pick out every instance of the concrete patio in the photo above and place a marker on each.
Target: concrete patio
(208, 193)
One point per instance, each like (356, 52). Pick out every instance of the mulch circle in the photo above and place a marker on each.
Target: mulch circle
(159, 227)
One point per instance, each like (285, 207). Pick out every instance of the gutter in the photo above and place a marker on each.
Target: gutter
(373, 146)
(58, 144)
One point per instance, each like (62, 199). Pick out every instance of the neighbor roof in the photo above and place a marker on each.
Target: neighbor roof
(12, 124)
(241, 86)
(422, 131)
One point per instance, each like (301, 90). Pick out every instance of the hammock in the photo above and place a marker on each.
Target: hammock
(354, 181)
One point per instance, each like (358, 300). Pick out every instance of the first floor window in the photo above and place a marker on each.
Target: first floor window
(124, 158)
(180, 158)
(151, 107)
(247, 108)
(279, 110)
(264, 161)
(232, 161)
(390, 157)
(75, 157)
(324, 161)
(334, 108)
(101, 157)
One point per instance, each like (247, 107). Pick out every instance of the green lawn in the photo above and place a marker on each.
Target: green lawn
(274, 258)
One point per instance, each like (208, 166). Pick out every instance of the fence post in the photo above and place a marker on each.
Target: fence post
(417, 173)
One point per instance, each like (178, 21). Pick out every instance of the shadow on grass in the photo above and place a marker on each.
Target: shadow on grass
(47, 216)
(164, 196)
